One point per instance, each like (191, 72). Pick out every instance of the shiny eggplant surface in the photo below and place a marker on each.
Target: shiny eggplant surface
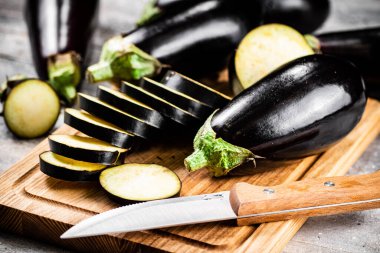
(59, 32)
(362, 47)
(296, 111)
(303, 15)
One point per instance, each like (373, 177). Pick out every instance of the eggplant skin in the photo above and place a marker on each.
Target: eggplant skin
(303, 15)
(298, 110)
(59, 26)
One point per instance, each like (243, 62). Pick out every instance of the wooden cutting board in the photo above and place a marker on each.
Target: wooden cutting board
(37, 206)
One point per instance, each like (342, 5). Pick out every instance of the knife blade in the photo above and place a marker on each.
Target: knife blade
(247, 203)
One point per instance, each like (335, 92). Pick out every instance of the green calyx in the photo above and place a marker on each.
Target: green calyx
(313, 43)
(122, 61)
(64, 74)
(215, 154)
(150, 12)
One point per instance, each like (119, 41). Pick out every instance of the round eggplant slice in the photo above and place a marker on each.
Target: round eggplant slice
(132, 106)
(195, 89)
(98, 128)
(64, 168)
(117, 117)
(266, 48)
(162, 106)
(178, 98)
(130, 183)
(86, 149)
(31, 108)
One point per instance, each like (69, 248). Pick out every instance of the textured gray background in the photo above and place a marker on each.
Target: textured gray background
(355, 232)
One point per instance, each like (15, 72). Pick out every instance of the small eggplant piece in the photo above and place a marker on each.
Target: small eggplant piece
(362, 47)
(300, 109)
(132, 106)
(86, 149)
(131, 183)
(117, 117)
(30, 106)
(59, 32)
(199, 44)
(195, 89)
(64, 168)
(98, 128)
(303, 15)
(162, 106)
(187, 103)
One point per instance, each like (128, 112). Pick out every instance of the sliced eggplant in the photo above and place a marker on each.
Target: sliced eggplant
(117, 117)
(164, 107)
(64, 168)
(195, 89)
(86, 149)
(132, 106)
(98, 128)
(31, 107)
(266, 48)
(129, 183)
(183, 101)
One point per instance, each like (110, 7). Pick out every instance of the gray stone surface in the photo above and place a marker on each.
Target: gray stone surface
(355, 232)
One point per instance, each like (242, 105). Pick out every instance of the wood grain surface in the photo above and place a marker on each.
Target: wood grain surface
(36, 205)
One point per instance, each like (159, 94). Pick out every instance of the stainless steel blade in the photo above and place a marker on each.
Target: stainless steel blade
(156, 214)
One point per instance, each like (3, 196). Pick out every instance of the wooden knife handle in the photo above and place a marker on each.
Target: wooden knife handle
(338, 193)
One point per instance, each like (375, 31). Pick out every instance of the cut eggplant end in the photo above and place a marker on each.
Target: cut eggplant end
(129, 183)
(150, 12)
(266, 48)
(215, 154)
(86, 149)
(64, 168)
(122, 61)
(64, 74)
(31, 108)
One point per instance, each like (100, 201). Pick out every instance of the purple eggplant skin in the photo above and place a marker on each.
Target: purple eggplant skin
(362, 47)
(303, 15)
(298, 110)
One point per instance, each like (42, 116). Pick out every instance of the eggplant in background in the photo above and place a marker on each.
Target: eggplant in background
(59, 32)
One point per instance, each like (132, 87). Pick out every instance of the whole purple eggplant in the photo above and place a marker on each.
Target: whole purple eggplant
(59, 32)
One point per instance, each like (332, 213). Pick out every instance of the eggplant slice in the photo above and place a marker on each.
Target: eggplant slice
(183, 101)
(195, 89)
(117, 117)
(164, 107)
(98, 128)
(132, 106)
(86, 149)
(130, 183)
(64, 168)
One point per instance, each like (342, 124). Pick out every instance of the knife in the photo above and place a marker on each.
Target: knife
(248, 204)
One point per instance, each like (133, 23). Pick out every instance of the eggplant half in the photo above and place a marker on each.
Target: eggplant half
(300, 109)
(132, 106)
(64, 168)
(59, 32)
(198, 44)
(195, 89)
(30, 107)
(117, 117)
(183, 101)
(164, 107)
(362, 47)
(86, 149)
(98, 128)
(131, 183)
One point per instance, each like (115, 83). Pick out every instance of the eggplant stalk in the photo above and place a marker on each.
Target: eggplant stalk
(150, 12)
(64, 74)
(122, 60)
(214, 153)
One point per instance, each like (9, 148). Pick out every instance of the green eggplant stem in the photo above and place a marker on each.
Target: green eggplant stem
(65, 74)
(215, 154)
(122, 61)
(313, 43)
(150, 12)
